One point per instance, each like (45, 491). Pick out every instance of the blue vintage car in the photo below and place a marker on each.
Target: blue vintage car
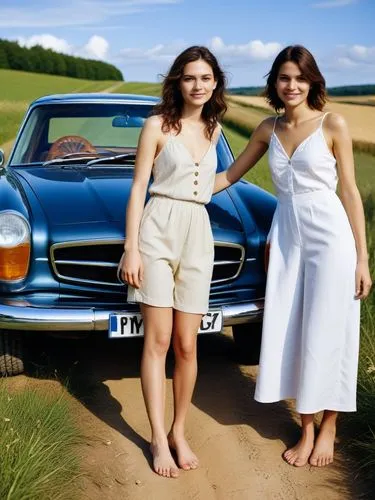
(63, 196)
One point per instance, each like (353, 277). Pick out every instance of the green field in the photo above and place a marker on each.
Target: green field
(22, 86)
(141, 88)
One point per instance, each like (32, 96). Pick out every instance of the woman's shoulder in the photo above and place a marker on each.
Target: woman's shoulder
(153, 125)
(154, 121)
(335, 123)
(334, 120)
(265, 128)
(269, 122)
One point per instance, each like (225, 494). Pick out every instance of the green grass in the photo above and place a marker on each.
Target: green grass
(38, 437)
(11, 114)
(141, 88)
(22, 86)
(360, 426)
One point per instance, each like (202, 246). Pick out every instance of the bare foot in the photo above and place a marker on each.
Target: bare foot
(187, 460)
(163, 462)
(323, 450)
(299, 454)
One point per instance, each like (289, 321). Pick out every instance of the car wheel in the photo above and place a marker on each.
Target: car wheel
(11, 353)
(247, 340)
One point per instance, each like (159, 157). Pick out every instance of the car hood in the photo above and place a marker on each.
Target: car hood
(80, 195)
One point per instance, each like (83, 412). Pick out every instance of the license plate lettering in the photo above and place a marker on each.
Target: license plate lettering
(208, 321)
(131, 325)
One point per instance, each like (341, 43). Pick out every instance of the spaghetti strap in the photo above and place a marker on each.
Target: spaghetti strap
(322, 120)
(216, 134)
(274, 124)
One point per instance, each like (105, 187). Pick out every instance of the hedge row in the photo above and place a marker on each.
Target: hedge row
(40, 60)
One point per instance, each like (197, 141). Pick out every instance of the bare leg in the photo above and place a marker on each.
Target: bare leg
(324, 446)
(185, 327)
(300, 453)
(158, 329)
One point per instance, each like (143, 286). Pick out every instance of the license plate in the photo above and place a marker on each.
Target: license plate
(131, 325)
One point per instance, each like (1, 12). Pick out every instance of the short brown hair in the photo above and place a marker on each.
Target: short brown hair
(171, 103)
(298, 54)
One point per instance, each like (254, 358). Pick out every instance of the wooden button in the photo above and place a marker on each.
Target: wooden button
(196, 164)
(196, 183)
(195, 193)
(195, 173)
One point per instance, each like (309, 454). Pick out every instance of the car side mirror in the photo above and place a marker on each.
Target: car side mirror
(2, 157)
(128, 121)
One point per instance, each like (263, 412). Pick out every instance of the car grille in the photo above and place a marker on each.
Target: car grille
(95, 262)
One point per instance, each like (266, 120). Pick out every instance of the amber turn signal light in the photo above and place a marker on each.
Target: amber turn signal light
(14, 262)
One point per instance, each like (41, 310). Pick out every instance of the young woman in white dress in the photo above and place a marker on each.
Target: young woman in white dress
(169, 247)
(318, 265)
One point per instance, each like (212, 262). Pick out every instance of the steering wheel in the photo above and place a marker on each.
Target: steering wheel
(70, 145)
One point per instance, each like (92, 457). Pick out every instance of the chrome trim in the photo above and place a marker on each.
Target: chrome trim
(93, 263)
(54, 262)
(81, 243)
(241, 262)
(225, 262)
(236, 314)
(251, 259)
(29, 318)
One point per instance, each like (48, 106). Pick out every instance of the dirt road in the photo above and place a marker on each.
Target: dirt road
(239, 442)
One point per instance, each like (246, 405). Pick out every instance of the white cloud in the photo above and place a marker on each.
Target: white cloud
(354, 58)
(47, 42)
(96, 47)
(74, 13)
(252, 51)
(360, 53)
(357, 54)
(158, 53)
(333, 3)
(255, 50)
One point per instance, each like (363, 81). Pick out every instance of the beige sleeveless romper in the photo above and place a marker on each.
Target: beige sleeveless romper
(175, 237)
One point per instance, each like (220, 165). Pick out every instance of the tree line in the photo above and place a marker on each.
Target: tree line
(39, 60)
(344, 90)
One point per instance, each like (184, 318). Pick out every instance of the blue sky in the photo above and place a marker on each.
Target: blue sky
(142, 37)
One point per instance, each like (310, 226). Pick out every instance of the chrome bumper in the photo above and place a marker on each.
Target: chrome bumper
(18, 316)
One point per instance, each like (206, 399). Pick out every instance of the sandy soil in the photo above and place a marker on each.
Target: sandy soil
(239, 442)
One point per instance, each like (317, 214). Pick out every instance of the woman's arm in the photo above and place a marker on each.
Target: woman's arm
(255, 149)
(350, 197)
(132, 269)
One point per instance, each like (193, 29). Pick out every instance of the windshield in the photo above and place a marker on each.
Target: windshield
(56, 132)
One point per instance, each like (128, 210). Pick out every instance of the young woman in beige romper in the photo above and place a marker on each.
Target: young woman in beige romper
(169, 246)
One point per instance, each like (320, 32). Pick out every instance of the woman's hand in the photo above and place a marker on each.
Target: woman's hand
(363, 281)
(132, 268)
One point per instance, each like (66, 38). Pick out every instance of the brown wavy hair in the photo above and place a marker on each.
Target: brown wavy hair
(298, 54)
(170, 107)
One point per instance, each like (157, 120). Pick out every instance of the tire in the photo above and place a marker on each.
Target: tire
(11, 353)
(247, 339)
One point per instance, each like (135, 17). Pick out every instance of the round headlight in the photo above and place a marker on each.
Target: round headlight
(13, 230)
